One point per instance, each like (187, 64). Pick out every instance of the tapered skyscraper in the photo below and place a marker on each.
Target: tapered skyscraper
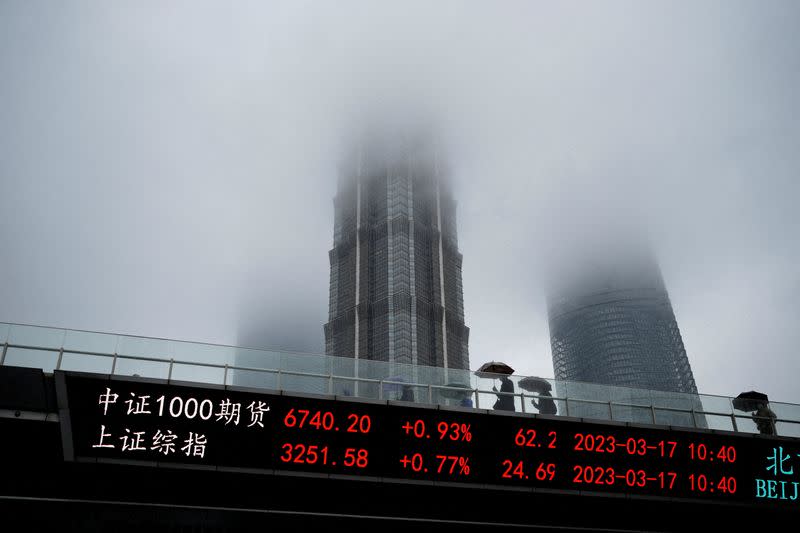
(611, 321)
(395, 279)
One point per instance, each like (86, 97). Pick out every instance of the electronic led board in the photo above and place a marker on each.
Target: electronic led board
(167, 424)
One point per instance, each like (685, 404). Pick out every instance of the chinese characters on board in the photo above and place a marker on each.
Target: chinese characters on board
(164, 440)
(781, 480)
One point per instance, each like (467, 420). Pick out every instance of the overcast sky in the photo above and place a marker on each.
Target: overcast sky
(167, 168)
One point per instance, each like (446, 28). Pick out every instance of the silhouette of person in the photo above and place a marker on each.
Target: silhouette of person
(466, 401)
(505, 402)
(545, 405)
(764, 418)
(408, 394)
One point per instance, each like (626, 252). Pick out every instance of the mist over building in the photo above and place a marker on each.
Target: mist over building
(611, 320)
(395, 280)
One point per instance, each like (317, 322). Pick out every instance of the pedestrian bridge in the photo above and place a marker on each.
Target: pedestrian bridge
(127, 433)
(173, 360)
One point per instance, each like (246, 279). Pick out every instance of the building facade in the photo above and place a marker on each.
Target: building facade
(395, 269)
(611, 322)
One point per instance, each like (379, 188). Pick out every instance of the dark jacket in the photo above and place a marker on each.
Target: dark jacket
(505, 402)
(545, 405)
(764, 418)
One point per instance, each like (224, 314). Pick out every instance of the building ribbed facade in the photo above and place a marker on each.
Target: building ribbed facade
(613, 324)
(395, 270)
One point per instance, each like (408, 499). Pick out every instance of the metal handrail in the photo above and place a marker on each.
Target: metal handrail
(208, 344)
(330, 376)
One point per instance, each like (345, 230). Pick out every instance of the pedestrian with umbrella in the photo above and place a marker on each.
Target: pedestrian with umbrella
(398, 384)
(541, 386)
(758, 403)
(458, 391)
(505, 397)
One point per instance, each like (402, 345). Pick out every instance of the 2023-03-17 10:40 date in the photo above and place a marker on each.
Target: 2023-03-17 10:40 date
(632, 477)
(663, 448)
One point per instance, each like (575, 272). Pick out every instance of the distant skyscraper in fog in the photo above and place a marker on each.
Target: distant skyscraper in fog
(611, 322)
(395, 278)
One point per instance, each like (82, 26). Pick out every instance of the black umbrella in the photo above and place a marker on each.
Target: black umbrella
(750, 401)
(459, 390)
(534, 384)
(493, 367)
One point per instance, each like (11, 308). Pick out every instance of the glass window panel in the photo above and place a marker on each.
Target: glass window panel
(788, 429)
(87, 363)
(44, 359)
(144, 347)
(367, 390)
(254, 379)
(250, 358)
(716, 404)
(486, 400)
(668, 417)
(312, 364)
(36, 336)
(342, 387)
(203, 353)
(637, 397)
(700, 420)
(719, 422)
(588, 391)
(619, 394)
(413, 393)
(308, 384)
(786, 411)
(596, 411)
(4, 329)
(434, 375)
(485, 384)
(198, 373)
(629, 413)
(561, 407)
(675, 400)
(90, 342)
(395, 387)
(455, 396)
(341, 366)
(745, 424)
(146, 369)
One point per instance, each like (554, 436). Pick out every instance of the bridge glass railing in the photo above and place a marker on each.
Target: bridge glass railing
(65, 349)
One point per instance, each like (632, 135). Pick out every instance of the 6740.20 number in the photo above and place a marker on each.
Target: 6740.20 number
(325, 421)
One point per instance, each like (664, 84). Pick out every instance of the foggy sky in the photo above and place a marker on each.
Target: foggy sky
(167, 168)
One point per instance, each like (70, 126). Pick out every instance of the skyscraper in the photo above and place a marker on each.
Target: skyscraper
(395, 279)
(611, 322)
